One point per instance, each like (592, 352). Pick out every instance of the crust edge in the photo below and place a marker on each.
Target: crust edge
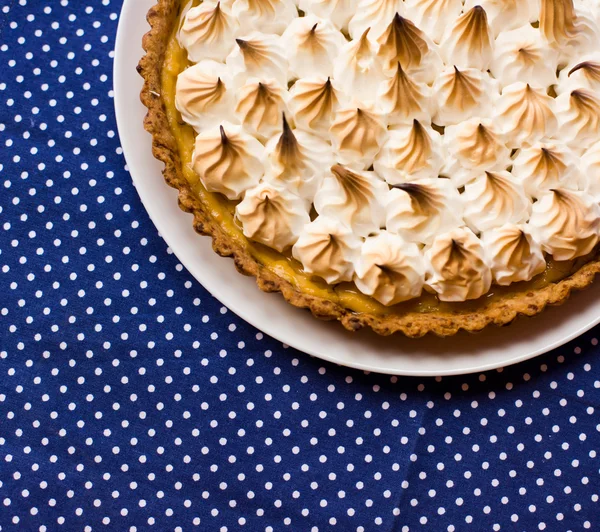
(164, 148)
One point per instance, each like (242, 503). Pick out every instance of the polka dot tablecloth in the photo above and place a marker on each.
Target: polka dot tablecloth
(132, 400)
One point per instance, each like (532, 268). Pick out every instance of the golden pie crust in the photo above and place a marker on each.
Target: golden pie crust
(443, 320)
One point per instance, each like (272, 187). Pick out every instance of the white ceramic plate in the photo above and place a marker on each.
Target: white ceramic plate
(464, 353)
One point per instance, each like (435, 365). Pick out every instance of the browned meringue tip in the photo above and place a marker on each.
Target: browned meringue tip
(224, 138)
(585, 65)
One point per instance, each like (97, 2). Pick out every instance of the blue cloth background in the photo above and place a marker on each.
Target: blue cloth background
(132, 400)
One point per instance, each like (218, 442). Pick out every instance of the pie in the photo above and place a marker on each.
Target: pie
(410, 166)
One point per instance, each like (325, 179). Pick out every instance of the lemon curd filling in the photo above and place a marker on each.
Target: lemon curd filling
(282, 264)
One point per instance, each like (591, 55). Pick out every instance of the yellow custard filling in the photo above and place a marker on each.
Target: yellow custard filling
(345, 294)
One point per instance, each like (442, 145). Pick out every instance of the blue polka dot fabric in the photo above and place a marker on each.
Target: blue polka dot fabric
(131, 400)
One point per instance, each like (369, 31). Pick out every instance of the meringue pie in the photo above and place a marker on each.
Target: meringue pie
(410, 166)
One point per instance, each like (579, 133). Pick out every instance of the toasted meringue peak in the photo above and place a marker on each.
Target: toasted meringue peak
(457, 266)
(544, 166)
(357, 134)
(402, 42)
(523, 55)
(470, 42)
(354, 197)
(207, 31)
(493, 199)
(505, 15)
(462, 94)
(312, 46)
(314, 102)
(389, 269)
(338, 11)
(525, 114)
(590, 168)
(228, 160)
(272, 216)
(477, 144)
(374, 14)
(204, 94)
(295, 160)
(419, 211)
(357, 69)
(404, 99)
(566, 223)
(327, 249)
(432, 15)
(268, 16)
(578, 115)
(583, 74)
(260, 56)
(411, 152)
(259, 107)
(557, 20)
(513, 254)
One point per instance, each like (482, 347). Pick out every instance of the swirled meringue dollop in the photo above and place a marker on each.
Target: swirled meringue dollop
(357, 69)
(272, 216)
(578, 114)
(207, 31)
(506, 15)
(432, 15)
(544, 166)
(357, 134)
(419, 211)
(258, 55)
(590, 168)
(469, 42)
(402, 42)
(328, 249)
(268, 16)
(513, 254)
(259, 107)
(374, 14)
(354, 197)
(462, 94)
(312, 46)
(477, 144)
(411, 152)
(523, 55)
(404, 99)
(566, 223)
(296, 161)
(314, 102)
(389, 269)
(525, 114)
(204, 94)
(582, 74)
(338, 11)
(228, 160)
(457, 268)
(493, 199)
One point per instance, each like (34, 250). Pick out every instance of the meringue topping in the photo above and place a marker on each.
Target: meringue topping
(525, 114)
(353, 197)
(458, 269)
(259, 107)
(419, 211)
(374, 14)
(357, 134)
(470, 42)
(227, 160)
(578, 113)
(513, 254)
(268, 16)
(404, 43)
(260, 56)
(461, 94)
(338, 11)
(207, 31)
(410, 153)
(493, 199)
(557, 20)
(314, 102)
(272, 216)
(404, 99)
(581, 75)
(590, 168)
(567, 223)
(326, 248)
(505, 15)
(432, 15)
(390, 269)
